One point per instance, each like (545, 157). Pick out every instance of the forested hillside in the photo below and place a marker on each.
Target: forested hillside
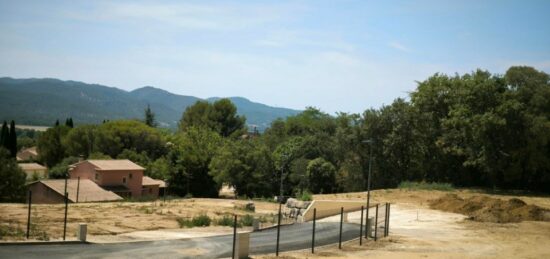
(43, 101)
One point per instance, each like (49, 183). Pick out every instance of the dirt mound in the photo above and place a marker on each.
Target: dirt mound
(486, 209)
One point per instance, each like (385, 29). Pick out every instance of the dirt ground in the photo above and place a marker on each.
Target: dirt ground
(121, 221)
(418, 231)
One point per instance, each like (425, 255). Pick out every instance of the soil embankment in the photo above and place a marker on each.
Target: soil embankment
(488, 209)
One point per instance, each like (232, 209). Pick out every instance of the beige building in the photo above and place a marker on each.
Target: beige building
(27, 154)
(34, 170)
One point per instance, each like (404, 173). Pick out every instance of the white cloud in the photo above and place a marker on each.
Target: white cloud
(398, 46)
(186, 15)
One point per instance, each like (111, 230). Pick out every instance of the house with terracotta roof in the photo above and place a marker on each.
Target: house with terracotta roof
(27, 154)
(121, 176)
(83, 190)
(34, 170)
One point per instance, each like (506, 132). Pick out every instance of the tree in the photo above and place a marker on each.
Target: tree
(150, 117)
(321, 175)
(12, 140)
(220, 117)
(246, 166)
(69, 123)
(61, 170)
(50, 146)
(4, 136)
(12, 183)
(81, 141)
(194, 149)
(115, 136)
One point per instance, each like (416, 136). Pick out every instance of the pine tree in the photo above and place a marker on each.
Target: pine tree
(56, 123)
(69, 122)
(12, 144)
(4, 135)
(150, 117)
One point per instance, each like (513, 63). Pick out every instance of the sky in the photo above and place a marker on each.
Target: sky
(339, 56)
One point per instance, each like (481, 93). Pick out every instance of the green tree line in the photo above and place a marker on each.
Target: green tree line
(473, 130)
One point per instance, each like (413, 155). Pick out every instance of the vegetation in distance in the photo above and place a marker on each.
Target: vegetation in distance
(478, 129)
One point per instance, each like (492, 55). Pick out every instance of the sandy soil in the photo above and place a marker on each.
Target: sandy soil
(125, 220)
(416, 231)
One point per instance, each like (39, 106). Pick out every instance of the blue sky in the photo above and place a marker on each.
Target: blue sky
(335, 55)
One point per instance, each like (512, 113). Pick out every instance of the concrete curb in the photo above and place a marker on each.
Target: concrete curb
(75, 242)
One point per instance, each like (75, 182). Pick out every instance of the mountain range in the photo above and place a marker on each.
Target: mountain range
(43, 101)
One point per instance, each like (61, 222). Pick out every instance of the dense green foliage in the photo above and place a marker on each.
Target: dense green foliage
(220, 117)
(476, 129)
(12, 178)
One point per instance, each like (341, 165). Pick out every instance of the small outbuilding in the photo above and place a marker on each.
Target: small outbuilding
(152, 187)
(27, 154)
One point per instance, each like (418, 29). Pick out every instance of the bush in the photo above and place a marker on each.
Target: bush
(197, 221)
(246, 220)
(201, 221)
(227, 220)
(426, 186)
(305, 196)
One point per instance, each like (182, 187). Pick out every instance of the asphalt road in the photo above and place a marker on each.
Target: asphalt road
(293, 237)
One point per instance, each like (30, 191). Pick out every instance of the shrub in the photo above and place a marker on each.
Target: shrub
(227, 220)
(426, 186)
(197, 221)
(201, 221)
(305, 196)
(246, 220)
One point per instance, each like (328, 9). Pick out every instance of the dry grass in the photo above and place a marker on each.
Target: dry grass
(121, 217)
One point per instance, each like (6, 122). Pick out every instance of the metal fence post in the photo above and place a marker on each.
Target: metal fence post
(341, 222)
(234, 236)
(313, 232)
(366, 221)
(361, 227)
(388, 216)
(29, 214)
(77, 189)
(376, 224)
(66, 208)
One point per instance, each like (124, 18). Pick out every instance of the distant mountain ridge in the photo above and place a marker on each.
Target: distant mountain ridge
(42, 101)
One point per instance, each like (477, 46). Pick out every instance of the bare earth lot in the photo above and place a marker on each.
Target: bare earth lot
(417, 229)
(122, 221)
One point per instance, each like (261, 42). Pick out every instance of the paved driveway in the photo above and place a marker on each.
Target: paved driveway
(293, 237)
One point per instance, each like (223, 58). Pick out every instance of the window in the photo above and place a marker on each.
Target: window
(150, 190)
(96, 176)
(130, 176)
(123, 179)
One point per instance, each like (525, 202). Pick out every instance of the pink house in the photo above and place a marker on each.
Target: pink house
(122, 177)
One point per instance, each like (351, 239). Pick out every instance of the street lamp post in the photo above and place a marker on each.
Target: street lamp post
(280, 205)
(369, 141)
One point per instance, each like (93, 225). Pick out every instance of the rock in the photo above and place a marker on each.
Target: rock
(250, 206)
